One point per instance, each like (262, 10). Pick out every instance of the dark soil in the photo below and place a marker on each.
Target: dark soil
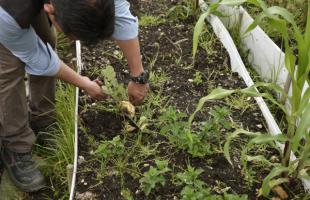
(166, 47)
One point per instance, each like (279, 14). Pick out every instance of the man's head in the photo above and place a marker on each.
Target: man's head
(86, 20)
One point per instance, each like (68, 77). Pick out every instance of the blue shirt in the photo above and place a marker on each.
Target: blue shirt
(39, 58)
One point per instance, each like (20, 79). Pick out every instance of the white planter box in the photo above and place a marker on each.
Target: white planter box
(265, 56)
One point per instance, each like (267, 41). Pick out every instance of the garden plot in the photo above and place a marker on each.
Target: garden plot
(155, 152)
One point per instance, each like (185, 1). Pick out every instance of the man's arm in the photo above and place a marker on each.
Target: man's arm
(39, 57)
(92, 88)
(131, 50)
(126, 36)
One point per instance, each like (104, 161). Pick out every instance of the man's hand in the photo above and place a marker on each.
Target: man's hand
(93, 89)
(137, 92)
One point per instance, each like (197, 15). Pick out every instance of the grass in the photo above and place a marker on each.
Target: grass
(60, 149)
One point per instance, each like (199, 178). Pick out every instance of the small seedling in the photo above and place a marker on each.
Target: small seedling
(109, 149)
(154, 176)
(198, 78)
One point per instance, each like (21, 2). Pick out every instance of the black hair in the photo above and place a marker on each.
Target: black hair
(86, 20)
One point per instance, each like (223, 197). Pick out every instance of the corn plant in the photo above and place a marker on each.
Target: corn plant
(296, 138)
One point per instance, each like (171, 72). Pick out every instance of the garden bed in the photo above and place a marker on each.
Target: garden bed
(120, 156)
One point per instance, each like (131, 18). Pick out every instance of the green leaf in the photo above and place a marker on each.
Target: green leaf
(302, 128)
(232, 2)
(266, 138)
(276, 171)
(258, 158)
(307, 33)
(276, 10)
(304, 102)
(255, 23)
(233, 136)
(251, 91)
(197, 31)
(278, 181)
(218, 93)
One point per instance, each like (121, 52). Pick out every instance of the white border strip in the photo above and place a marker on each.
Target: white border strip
(238, 66)
(79, 68)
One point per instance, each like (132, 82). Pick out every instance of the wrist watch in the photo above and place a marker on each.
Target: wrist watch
(143, 78)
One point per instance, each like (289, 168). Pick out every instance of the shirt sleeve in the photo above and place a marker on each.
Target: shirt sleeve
(126, 25)
(39, 57)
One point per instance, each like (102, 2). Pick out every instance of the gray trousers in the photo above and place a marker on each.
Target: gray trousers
(15, 132)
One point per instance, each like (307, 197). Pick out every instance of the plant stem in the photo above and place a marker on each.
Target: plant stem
(288, 144)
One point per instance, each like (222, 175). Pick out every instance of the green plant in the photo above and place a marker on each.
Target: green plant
(240, 102)
(197, 138)
(110, 149)
(149, 20)
(154, 176)
(60, 151)
(111, 86)
(213, 128)
(184, 10)
(180, 134)
(196, 189)
(296, 138)
(197, 78)
(190, 177)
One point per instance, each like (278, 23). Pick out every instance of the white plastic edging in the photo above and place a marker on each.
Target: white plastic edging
(79, 68)
(237, 65)
(264, 55)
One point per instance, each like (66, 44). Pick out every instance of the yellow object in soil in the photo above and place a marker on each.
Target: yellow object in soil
(128, 108)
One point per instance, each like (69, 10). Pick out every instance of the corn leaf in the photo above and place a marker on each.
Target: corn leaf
(218, 93)
(276, 171)
(304, 101)
(259, 158)
(278, 181)
(266, 138)
(232, 2)
(302, 129)
(197, 31)
(307, 33)
(233, 136)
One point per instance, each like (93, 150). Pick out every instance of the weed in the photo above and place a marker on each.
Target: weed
(110, 149)
(150, 20)
(240, 102)
(154, 176)
(195, 189)
(116, 90)
(197, 78)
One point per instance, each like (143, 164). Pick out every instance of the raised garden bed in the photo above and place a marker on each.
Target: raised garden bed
(156, 154)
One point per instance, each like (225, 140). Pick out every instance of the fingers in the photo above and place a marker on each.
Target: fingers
(137, 92)
(136, 100)
(100, 83)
